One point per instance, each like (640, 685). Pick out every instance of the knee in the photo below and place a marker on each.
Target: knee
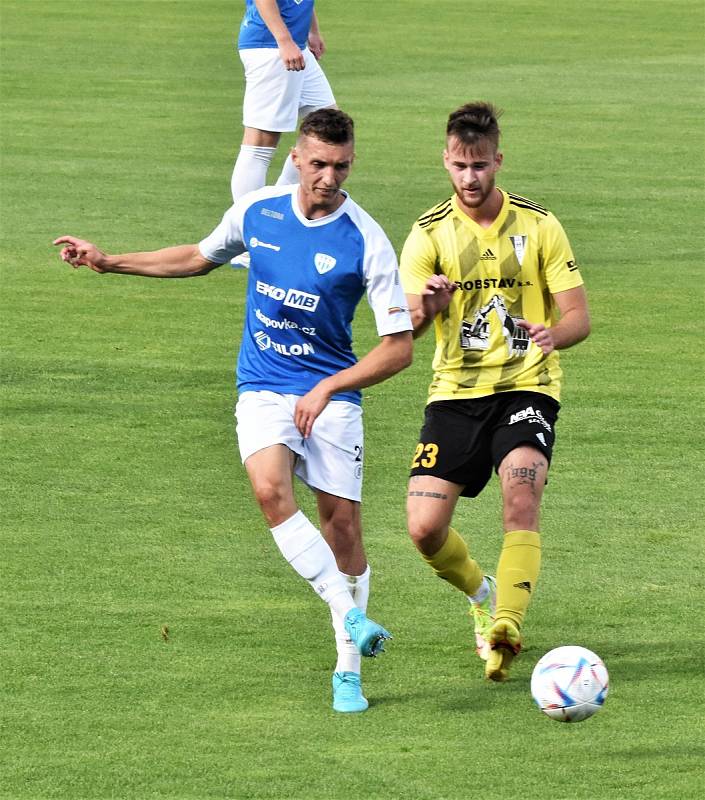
(422, 530)
(273, 500)
(520, 511)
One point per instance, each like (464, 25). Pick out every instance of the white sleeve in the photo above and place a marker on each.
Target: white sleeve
(384, 292)
(226, 241)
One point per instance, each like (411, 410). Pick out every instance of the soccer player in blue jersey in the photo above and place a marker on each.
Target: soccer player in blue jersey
(315, 252)
(279, 46)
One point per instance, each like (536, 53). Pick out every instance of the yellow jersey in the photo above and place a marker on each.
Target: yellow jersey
(505, 272)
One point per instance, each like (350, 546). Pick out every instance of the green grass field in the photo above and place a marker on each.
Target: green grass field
(125, 505)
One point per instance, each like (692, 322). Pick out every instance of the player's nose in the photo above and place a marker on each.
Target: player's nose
(328, 177)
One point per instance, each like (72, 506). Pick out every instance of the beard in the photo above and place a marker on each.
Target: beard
(475, 196)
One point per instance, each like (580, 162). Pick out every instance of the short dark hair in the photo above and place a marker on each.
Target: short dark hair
(330, 125)
(475, 121)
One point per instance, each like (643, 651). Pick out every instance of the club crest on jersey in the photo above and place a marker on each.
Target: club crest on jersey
(519, 245)
(324, 263)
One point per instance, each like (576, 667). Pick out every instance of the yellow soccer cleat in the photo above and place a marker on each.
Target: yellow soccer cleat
(482, 615)
(505, 644)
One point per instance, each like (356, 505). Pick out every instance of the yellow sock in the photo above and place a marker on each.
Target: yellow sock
(452, 563)
(517, 573)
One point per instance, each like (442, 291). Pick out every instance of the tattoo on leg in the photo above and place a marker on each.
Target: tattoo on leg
(524, 475)
(436, 495)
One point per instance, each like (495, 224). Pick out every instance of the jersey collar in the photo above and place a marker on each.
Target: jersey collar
(315, 223)
(478, 229)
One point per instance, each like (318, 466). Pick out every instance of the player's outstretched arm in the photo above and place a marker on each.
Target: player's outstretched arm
(182, 261)
(392, 354)
(573, 326)
(434, 298)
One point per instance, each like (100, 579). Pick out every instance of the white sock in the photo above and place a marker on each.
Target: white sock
(289, 173)
(309, 554)
(349, 658)
(250, 171)
(481, 593)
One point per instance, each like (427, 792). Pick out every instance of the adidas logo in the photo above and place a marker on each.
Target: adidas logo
(488, 255)
(523, 585)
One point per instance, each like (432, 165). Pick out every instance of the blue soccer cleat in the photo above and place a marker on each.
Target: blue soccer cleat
(366, 634)
(347, 693)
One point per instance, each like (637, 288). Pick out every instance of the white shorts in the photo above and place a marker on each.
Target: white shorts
(329, 460)
(275, 96)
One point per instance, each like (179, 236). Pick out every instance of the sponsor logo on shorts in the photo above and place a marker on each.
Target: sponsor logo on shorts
(255, 242)
(324, 263)
(541, 438)
(395, 310)
(265, 342)
(529, 415)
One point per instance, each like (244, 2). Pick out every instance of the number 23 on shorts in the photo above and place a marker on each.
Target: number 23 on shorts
(425, 455)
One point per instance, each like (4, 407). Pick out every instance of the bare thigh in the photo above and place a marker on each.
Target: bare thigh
(430, 504)
(270, 471)
(522, 476)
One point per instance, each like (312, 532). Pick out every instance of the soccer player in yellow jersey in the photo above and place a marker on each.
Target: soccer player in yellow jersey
(495, 274)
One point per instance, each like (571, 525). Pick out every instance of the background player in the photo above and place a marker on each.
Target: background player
(496, 275)
(279, 46)
(315, 252)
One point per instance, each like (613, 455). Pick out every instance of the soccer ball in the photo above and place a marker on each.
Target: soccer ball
(569, 683)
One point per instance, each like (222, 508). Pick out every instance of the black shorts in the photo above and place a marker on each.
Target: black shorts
(461, 440)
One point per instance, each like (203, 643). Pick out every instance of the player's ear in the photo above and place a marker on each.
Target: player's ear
(498, 158)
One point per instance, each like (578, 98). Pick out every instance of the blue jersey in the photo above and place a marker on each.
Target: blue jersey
(296, 15)
(305, 279)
